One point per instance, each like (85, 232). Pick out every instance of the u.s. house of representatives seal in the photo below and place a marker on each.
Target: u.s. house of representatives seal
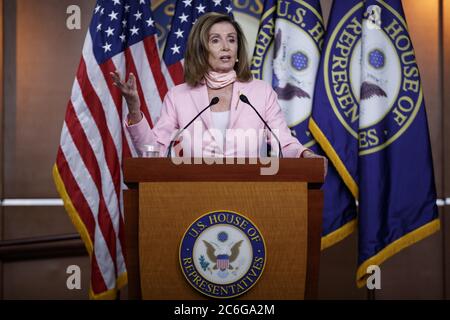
(371, 75)
(222, 254)
(287, 54)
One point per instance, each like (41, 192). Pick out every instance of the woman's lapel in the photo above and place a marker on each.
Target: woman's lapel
(236, 104)
(200, 97)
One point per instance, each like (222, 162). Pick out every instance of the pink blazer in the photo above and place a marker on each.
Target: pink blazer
(182, 103)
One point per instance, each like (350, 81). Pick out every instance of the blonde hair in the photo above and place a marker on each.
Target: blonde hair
(196, 59)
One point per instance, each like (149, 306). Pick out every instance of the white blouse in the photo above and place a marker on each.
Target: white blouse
(220, 121)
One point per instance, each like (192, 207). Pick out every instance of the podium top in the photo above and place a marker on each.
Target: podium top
(162, 169)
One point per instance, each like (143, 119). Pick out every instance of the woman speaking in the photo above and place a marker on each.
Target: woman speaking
(216, 65)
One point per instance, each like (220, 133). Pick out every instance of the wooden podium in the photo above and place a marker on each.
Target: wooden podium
(164, 199)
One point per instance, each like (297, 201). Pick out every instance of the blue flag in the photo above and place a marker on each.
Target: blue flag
(339, 207)
(397, 190)
(287, 55)
(334, 118)
(370, 119)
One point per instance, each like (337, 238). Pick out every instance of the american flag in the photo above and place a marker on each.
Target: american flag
(186, 14)
(87, 173)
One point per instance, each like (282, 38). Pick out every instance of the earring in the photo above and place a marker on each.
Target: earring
(237, 60)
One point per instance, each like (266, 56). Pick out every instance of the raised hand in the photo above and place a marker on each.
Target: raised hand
(129, 91)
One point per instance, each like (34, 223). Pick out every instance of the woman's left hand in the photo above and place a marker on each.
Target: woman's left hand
(310, 154)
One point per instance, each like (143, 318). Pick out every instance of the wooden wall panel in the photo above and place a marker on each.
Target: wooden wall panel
(423, 22)
(326, 7)
(46, 55)
(414, 273)
(44, 279)
(337, 278)
(40, 61)
(28, 222)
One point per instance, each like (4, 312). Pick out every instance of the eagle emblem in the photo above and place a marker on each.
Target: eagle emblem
(284, 89)
(369, 90)
(222, 256)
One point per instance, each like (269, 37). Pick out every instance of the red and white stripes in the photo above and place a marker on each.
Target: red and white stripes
(94, 142)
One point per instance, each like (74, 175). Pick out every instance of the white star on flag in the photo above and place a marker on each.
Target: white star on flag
(134, 30)
(183, 17)
(122, 37)
(217, 2)
(179, 33)
(107, 47)
(109, 32)
(97, 9)
(113, 15)
(127, 8)
(175, 49)
(187, 3)
(116, 2)
(99, 27)
(200, 8)
(138, 15)
(150, 22)
(229, 9)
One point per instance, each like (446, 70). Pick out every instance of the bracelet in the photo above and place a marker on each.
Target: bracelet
(129, 122)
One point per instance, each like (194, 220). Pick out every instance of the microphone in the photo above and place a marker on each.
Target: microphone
(244, 99)
(214, 101)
